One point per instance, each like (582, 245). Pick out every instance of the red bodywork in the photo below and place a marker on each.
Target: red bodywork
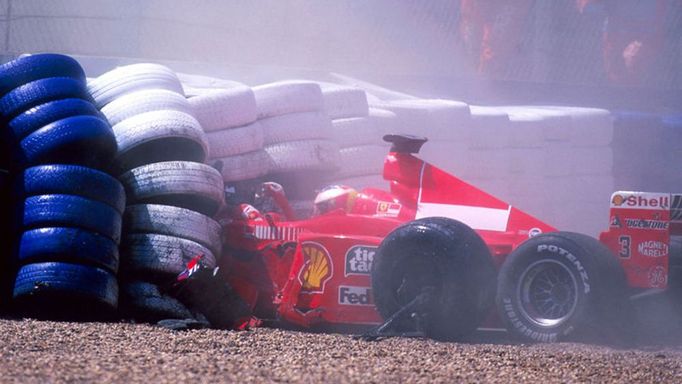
(317, 271)
(640, 226)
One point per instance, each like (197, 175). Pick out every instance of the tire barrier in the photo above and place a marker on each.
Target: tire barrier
(131, 78)
(71, 180)
(70, 211)
(344, 102)
(67, 211)
(65, 290)
(183, 184)
(42, 115)
(173, 221)
(158, 136)
(170, 193)
(296, 127)
(161, 257)
(70, 245)
(144, 301)
(220, 109)
(285, 97)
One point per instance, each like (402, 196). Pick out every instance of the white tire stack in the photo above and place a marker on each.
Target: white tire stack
(447, 124)
(235, 138)
(436, 119)
(579, 167)
(143, 103)
(171, 193)
(358, 131)
(297, 136)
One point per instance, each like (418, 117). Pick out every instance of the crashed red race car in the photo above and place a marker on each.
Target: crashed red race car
(434, 255)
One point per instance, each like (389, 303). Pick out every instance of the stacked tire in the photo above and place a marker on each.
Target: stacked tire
(5, 242)
(359, 135)
(446, 123)
(235, 138)
(151, 119)
(171, 193)
(297, 135)
(67, 212)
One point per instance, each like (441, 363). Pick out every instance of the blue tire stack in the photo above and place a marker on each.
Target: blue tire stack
(5, 238)
(66, 210)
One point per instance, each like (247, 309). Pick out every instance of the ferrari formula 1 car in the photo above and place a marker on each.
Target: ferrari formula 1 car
(435, 256)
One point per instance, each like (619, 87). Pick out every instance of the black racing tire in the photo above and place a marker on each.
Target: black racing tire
(71, 180)
(69, 245)
(207, 292)
(155, 257)
(39, 92)
(71, 211)
(143, 301)
(183, 184)
(35, 67)
(81, 140)
(44, 114)
(446, 255)
(561, 286)
(71, 291)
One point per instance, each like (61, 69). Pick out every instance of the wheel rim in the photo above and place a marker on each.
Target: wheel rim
(548, 293)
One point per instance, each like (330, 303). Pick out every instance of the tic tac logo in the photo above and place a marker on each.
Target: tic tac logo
(653, 248)
(317, 268)
(359, 259)
(640, 200)
(355, 295)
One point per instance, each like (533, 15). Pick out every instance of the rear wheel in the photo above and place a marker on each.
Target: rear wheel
(559, 285)
(444, 257)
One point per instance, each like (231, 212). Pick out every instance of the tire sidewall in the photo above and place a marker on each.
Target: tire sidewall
(569, 255)
(389, 260)
(459, 262)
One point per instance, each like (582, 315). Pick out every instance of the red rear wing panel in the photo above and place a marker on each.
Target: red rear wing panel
(639, 235)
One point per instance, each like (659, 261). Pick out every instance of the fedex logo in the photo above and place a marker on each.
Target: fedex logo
(355, 295)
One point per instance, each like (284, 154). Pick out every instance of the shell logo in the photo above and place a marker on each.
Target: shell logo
(317, 269)
(618, 200)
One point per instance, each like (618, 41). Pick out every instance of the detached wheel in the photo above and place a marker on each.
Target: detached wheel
(445, 257)
(560, 285)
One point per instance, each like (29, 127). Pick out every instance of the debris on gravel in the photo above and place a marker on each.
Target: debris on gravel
(42, 351)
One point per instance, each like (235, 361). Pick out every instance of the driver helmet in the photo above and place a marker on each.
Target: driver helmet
(334, 197)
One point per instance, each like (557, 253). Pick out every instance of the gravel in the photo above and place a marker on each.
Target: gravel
(43, 351)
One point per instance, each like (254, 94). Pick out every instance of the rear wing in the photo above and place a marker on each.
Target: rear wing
(434, 192)
(640, 226)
